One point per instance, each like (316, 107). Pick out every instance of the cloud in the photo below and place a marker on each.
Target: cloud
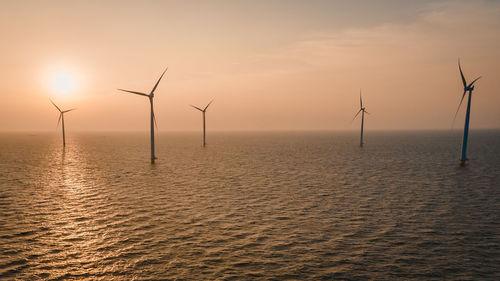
(451, 27)
(409, 69)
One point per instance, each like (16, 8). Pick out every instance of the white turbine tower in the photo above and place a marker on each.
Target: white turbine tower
(61, 116)
(363, 111)
(153, 119)
(203, 111)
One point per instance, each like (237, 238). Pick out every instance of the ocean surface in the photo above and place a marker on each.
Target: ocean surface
(250, 206)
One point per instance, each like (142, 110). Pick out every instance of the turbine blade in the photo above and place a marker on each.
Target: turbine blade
(356, 115)
(208, 105)
(154, 118)
(158, 82)
(197, 107)
(55, 105)
(470, 85)
(68, 110)
(360, 99)
(59, 120)
(460, 104)
(133, 92)
(462, 74)
(366, 112)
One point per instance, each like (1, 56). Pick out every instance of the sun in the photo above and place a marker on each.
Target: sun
(63, 82)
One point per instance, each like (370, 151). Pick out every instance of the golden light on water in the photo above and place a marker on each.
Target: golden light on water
(282, 189)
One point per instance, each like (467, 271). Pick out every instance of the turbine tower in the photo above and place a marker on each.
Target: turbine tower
(203, 111)
(61, 116)
(363, 111)
(467, 88)
(153, 118)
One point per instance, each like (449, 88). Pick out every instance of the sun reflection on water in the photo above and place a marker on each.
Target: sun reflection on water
(73, 234)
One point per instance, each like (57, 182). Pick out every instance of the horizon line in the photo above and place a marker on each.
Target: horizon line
(253, 130)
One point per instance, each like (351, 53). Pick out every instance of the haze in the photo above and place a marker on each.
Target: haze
(270, 65)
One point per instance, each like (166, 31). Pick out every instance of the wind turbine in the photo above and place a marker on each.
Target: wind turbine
(467, 88)
(363, 111)
(61, 116)
(153, 119)
(203, 111)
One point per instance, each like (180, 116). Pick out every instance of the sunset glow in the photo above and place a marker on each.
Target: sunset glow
(300, 67)
(62, 82)
(250, 140)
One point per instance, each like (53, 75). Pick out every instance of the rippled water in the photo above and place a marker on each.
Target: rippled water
(250, 206)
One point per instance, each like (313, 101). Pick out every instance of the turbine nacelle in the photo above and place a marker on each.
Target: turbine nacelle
(204, 109)
(152, 93)
(467, 88)
(471, 86)
(61, 112)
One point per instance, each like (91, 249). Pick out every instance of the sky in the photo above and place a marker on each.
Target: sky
(269, 65)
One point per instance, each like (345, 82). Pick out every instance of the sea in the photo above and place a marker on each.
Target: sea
(250, 206)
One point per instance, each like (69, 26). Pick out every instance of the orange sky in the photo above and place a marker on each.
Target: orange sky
(270, 65)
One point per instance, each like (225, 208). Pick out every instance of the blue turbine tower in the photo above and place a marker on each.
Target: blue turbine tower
(467, 88)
